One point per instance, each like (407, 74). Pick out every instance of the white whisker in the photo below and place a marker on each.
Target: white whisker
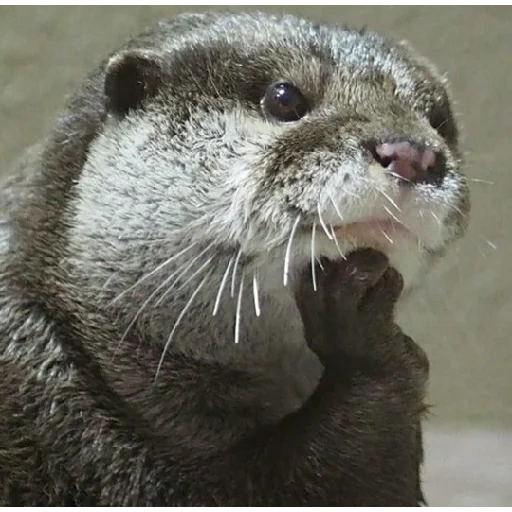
(396, 175)
(255, 291)
(239, 309)
(459, 211)
(388, 238)
(165, 263)
(235, 268)
(322, 223)
(490, 244)
(350, 193)
(313, 256)
(439, 223)
(387, 196)
(445, 121)
(183, 272)
(107, 282)
(139, 311)
(354, 194)
(194, 274)
(335, 239)
(335, 207)
(222, 286)
(485, 182)
(287, 255)
(144, 240)
(178, 320)
(393, 216)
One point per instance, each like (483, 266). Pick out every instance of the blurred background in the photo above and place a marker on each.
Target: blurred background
(463, 316)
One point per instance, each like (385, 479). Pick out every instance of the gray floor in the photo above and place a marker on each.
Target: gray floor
(463, 316)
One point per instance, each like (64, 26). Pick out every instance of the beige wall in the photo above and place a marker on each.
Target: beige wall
(464, 316)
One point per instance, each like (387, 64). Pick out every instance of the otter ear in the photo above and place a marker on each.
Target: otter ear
(131, 77)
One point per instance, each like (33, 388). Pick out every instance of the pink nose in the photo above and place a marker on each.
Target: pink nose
(406, 161)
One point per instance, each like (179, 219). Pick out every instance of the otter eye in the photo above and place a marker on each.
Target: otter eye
(285, 102)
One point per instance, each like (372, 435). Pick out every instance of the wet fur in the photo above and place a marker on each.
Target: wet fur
(99, 408)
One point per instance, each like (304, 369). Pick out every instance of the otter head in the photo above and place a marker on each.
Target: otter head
(249, 145)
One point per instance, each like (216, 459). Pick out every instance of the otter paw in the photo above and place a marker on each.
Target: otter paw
(350, 315)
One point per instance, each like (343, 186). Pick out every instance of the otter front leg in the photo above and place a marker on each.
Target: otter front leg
(349, 325)
(355, 440)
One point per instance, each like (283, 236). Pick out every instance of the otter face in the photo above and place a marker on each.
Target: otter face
(274, 138)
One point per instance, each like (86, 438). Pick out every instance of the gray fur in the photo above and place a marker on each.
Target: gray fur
(200, 177)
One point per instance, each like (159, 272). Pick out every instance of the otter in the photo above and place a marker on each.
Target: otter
(199, 268)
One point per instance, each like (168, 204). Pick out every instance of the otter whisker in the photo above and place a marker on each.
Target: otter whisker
(350, 193)
(158, 268)
(394, 217)
(255, 290)
(239, 309)
(335, 207)
(143, 240)
(388, 238)
(335, 239)
(194, 274)
(181, 272)
(482, 181)
(322, 223)
(490, 244)
(107, 282)
(137, 314)
(459, 211)
(438, 220)
(178, 321)
(313, 257)
(157, 289)
(396, 175)
(235, 268)
(387, 196)
(222, 286)
(287, 255)
(447, 120)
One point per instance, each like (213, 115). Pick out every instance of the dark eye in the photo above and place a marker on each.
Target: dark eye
(285, 102)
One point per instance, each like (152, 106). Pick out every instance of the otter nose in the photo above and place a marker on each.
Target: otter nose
(408, 162)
